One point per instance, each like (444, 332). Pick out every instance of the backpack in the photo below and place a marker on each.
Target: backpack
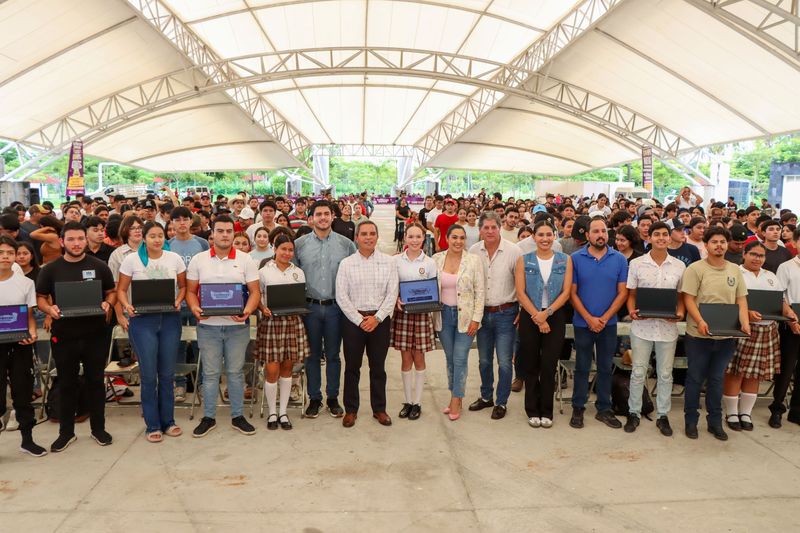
(621, 391)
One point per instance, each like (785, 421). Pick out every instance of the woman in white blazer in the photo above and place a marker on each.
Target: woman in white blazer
(461, 287)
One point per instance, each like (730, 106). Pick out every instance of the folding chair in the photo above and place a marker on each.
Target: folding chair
(113, 369)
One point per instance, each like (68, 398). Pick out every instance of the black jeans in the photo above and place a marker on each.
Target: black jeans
(69, 354)
(540, 353)
(377, 344)
(790, 346)
(16, 367)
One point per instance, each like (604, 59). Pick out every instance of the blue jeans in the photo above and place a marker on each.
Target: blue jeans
(640, 356)
(220, 344)
(708, 359)
(497, 333)
(324, 329)
(602, 346)
(155, 338)
(187, 319)
(456, 350)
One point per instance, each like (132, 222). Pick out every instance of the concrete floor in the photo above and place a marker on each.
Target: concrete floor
(475, 474)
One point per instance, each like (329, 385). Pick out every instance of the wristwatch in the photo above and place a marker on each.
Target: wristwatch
(549, 311)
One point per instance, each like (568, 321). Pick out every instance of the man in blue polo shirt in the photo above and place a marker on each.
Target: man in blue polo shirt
(599, 276)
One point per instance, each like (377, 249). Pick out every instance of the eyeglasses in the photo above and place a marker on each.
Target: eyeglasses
(134, 228)
(757, 256)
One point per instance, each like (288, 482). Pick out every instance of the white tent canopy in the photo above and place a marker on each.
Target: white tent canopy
(543, 86)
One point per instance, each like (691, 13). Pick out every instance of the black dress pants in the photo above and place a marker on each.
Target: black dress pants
(790, 346)
(376, 343)
(69, 354)
(540, 353)
(16, 367)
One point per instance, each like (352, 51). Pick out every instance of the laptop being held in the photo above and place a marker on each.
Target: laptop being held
(153, 296)
(722, 320)
(769, 304)
(657, 303)
(420, 296)
(79, 298)
(14, 323)
(287, 299)
(222, 299)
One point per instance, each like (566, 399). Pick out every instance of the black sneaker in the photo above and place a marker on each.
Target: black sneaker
(240, 423)
(718, 432)
(691, 431)
(479, 404)
(775, 421)
(334, 408)
(33, 449)
(405, 410)
(312, 411)
(607, 417)
(205, 425)
(576, 421)
(62, 442)
(663, 425)
(631, 423)
(102, 437)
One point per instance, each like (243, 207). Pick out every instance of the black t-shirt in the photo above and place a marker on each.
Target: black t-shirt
(422, 214)
(88, 268)
(775, 258)
(734, 258)
(345, 228)
(102, 253)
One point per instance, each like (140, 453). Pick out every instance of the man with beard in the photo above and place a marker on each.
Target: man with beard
(79, 340)
(599, 289)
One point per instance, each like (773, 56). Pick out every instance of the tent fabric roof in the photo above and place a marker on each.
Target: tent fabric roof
(675, 63)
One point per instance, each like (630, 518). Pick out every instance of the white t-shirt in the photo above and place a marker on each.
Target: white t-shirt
(168, 266)
(473, 235)
(251, 232)
(509, 234)
(237, 267)
(17, 290)
(545, 268)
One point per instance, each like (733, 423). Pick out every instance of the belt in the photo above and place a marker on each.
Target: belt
(321, 302)
(498, 308)
(368, 313)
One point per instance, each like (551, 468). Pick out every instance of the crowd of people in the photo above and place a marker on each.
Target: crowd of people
(512, 274)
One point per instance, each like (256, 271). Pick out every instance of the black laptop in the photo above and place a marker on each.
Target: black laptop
(722, 320)
(288, 299)
(420, 296)
(657, 303)
(222, 299)
(14, 323)
(79, 298)
(768, 303)
(153, 296)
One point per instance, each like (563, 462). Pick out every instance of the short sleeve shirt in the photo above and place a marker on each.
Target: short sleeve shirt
(644, 272)
(18, 290)
(270, 274)
(711, 285)
(423, 267)
(236, 267)
(597, 281)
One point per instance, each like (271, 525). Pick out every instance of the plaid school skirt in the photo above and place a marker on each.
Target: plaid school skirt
(281, 338)
(412, 331)
(758, 357)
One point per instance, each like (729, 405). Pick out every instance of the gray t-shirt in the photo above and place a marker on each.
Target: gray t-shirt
(188, 248)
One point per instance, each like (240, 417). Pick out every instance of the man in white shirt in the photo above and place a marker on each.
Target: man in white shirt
(498, 327)
(267, 211)
(366, 291)
(223, 339)
(657, 270)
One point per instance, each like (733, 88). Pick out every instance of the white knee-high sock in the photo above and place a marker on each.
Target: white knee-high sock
(407, 382)
(286, 389)
(746, 403)
(419, 383)
(731, 404)
(271, 390)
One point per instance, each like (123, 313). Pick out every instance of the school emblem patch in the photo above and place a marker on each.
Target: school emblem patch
(296, 276)
(731, 281)
(421, 271)
(771, 282)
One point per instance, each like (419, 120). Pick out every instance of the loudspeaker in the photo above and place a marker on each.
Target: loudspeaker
(33, 196)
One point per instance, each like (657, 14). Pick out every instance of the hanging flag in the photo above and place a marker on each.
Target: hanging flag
(647, 168)
(75, 180)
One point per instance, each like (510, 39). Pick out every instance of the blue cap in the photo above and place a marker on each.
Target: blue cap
(539, 208)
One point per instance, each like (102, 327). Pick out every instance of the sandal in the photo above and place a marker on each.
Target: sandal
(272, 421)
(284, 421)
(174, 431)
(155, 436)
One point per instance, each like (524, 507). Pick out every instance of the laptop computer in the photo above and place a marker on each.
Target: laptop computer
(14, 323)
(221, 299)
(420, 296)
(79, 298)
(722, 320)
(288, 299)
(768, 303)
(657, 303)
(153, 296)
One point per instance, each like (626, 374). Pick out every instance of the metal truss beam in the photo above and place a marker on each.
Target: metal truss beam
(364, 150)
(110, 113)
(255, 106)
(772, 24)
(582, 18)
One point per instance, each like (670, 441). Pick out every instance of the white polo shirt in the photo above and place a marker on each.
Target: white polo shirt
(272, 275)
(423, 267)
(789, 278)
(207, 267)
(764, 281)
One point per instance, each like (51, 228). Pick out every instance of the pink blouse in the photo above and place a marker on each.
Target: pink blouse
(449, 288)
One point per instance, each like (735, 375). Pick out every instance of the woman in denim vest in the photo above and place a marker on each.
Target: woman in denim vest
(544, 281)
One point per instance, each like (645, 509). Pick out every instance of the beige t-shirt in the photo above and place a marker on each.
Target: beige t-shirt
(711, 285)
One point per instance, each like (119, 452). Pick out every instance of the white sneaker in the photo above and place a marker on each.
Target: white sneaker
(180, 394)
(534, 422)
(547, 423)
(12, 424)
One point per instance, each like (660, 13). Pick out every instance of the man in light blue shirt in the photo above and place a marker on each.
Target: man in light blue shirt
(319, 254)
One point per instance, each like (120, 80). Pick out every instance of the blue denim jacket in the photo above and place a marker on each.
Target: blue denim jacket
(534, 284)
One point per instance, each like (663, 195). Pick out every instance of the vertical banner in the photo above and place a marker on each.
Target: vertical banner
(75, 181)
(647, 168)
